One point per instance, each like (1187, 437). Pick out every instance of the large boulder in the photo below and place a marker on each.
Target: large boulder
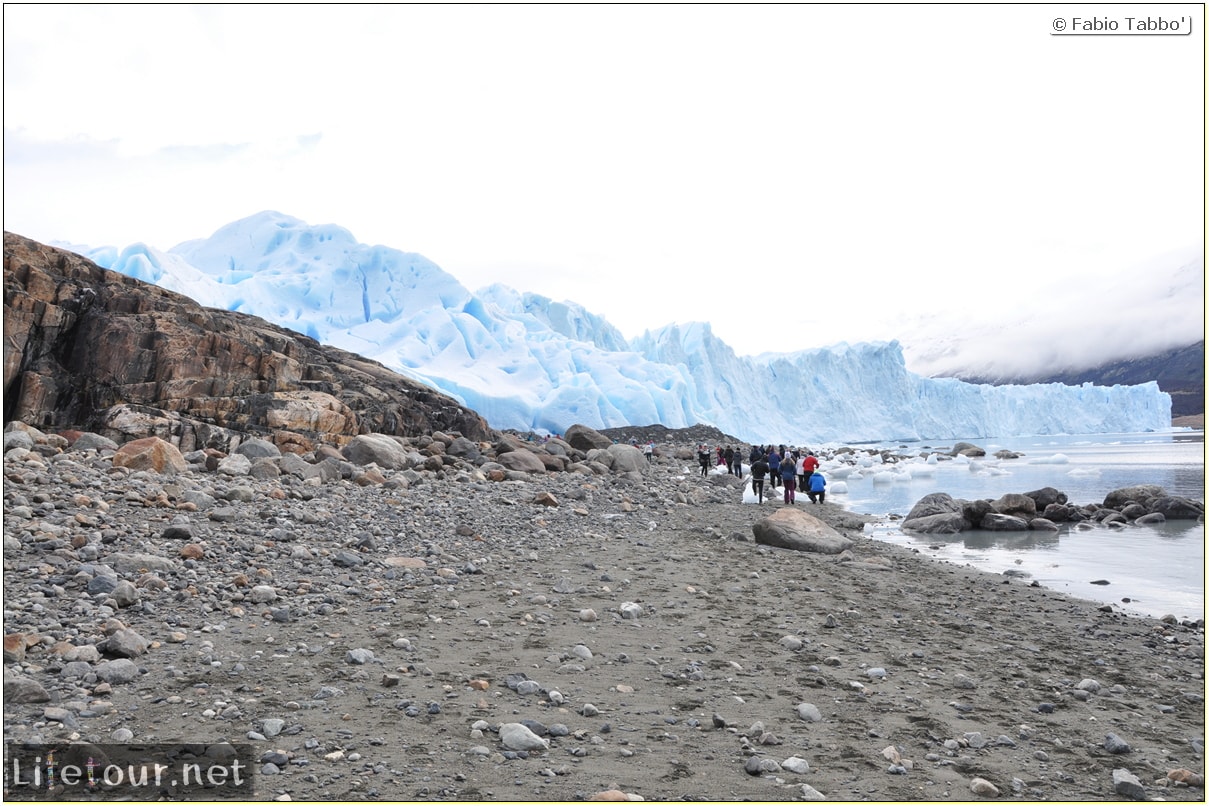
(583, 438)
(790, 528)
(378, 449)
(256, 448)
(942, 523)
(1140, 493)
(627, 461)
(1016, 504)
(150, 453)
(523, 460)
(996, 522)
(1175, 508)
(934, 504)
(1046, 496)
(967, 449)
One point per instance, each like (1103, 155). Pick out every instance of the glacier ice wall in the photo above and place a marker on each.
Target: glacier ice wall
(524, 361)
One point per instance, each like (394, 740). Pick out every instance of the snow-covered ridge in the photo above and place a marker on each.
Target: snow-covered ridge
(524, 361)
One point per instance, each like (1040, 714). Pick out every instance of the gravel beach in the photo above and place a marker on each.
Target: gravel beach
(434, 634)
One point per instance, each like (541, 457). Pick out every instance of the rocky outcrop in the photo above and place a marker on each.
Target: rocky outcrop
(1042, 510)
(94, 350)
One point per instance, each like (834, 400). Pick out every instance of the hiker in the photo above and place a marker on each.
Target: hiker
(818, 486)
(809, 464)
(759, 469)
(649, 451)
(789, 472)
(703, 459)
(774, 467)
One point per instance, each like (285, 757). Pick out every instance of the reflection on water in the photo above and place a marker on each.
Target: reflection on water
(1152, 570)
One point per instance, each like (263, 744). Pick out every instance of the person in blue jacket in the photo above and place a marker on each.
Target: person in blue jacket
(818, 487)
(774, 467)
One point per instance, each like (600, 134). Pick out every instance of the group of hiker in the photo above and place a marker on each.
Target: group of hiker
(793, 470)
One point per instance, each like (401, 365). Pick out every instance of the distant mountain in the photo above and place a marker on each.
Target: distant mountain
(1179, 372)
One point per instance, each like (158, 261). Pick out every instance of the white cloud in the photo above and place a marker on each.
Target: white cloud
(838, 165)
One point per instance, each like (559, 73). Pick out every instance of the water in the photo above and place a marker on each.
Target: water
(1159, 569)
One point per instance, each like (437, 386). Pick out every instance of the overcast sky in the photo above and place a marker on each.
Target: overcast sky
(796, 175)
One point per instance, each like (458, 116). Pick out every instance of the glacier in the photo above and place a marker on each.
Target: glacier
(526, 362)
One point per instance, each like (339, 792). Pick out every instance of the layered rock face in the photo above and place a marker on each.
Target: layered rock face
(92, 349)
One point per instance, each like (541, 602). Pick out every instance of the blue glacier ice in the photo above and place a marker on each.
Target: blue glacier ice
(525, 362)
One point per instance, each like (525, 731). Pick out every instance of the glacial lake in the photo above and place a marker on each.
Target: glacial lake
(1159, 569)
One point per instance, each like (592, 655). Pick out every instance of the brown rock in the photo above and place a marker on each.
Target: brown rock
(150, 453)
(192, 551)
(93, 350)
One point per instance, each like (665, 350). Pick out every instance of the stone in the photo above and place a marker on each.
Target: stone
(984, 788)
(121, 670)
(378, 449)
(582, 438)
(516, 736)
(799, 531)
(124, 643)
(1126, 784)
(257, 449)
(24, 690)
(150, 453)
(523, 461)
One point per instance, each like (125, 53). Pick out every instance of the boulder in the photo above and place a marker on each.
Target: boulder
(1141, 493)
(995, 522)
(525, 461)
(967, 449)
(627, 461)
(258, 449)
(1047, 496)
(379, 449)
(1021, 506)
(88, 441)
(942, 523)
(1175, 508)
(583, 438)
(934, 504)
(793, 529)
(150, 453)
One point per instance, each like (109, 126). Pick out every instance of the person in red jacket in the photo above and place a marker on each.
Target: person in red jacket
(809, 465)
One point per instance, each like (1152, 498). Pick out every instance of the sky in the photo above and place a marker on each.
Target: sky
(794, 175)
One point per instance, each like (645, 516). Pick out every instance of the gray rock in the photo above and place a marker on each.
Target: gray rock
(359, 656)
(89, 441)
(125, 594)
(995, 522)
(24, 690)
(796, 530)
(271, 727)
(125, 643)
(117, 671)
(809, 712)
(125, 563)
(1126, 784)
(583, 438)
(258, 449)
(378, 449)
(516, 736)
(1115, 744)
(262, 594)
(235, 465)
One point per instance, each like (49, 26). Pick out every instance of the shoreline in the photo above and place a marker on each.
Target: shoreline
(367, 643)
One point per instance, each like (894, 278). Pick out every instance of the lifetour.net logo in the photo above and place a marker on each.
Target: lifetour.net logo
(57, 772)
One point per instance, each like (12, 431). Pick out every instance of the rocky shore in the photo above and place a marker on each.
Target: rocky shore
(432, 618)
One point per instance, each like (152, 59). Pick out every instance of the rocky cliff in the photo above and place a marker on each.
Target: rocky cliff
(90, 349)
